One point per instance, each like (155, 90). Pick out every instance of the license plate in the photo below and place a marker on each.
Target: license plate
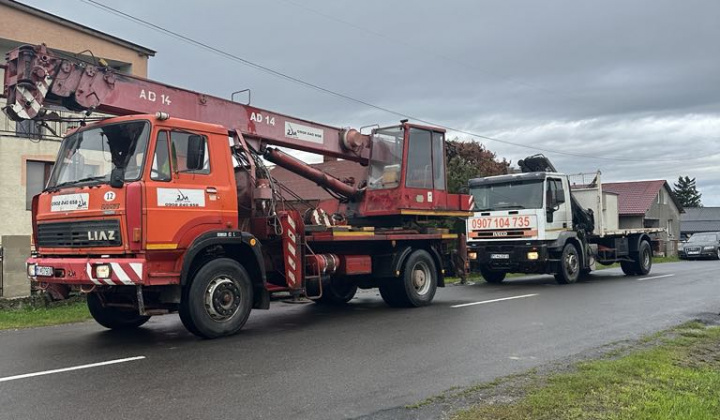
(500, 256)
(44, 271)
(693, 252)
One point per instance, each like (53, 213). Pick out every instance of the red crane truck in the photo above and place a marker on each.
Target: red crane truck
(170, 206)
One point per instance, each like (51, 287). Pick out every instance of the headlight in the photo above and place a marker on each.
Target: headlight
(31, 270)
(472, 255)
(533, 255)
(102, 271)
(708, 248)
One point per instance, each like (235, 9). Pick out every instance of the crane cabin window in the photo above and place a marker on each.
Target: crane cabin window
(386, 158)
(438, 151)
(419, 169)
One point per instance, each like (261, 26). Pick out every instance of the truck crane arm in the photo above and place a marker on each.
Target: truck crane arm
(37, 78)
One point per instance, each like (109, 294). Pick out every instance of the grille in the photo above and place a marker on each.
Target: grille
(92, 233)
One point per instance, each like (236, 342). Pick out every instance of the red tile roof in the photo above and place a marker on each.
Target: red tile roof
(307, 189)
(635, 198)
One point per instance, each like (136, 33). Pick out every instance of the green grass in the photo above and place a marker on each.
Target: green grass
(40, 317)
(677, 379)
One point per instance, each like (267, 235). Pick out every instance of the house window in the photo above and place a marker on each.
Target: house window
(28, 129)
(659, 197)
(670, 229)
(36, 177)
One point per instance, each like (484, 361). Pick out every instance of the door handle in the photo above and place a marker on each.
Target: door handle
(211, 190)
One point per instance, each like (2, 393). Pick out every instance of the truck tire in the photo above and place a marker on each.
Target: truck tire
(113, 318)
(643, 262)
(628, 267)
(218, 300)
(491, 276)
(417, 285)
(569, 268)
(337, 291)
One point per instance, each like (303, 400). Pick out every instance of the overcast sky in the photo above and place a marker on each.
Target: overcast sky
(628, 87)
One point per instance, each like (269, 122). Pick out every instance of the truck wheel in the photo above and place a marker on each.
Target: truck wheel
(218, 301)
(643, 263)
(569, 269)
(113, 318)
(491, 276)
(337, 291)
(417, 285)
(628, 267)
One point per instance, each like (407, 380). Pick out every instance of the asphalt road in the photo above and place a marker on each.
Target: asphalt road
(313, 362)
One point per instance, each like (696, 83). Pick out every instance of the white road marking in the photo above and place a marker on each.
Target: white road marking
(68, 369)
(655, 277)
(493, 300)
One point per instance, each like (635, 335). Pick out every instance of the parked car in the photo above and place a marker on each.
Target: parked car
(701, 245)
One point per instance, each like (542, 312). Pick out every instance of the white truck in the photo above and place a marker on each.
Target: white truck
(539, 222)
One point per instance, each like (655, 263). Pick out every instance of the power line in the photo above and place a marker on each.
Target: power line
(340, 95)
(425, 50)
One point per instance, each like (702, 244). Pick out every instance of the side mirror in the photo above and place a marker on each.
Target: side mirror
(195, 153)
(117, 177)
(560, 196)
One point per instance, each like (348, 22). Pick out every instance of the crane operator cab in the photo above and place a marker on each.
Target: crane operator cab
(406, 174)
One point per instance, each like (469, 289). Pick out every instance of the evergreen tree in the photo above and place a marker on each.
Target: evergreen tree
(687, 193)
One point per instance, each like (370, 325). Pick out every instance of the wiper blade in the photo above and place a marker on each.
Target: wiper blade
(64, 184)
(511, 207)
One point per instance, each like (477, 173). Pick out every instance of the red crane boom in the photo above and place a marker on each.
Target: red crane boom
(36, 78)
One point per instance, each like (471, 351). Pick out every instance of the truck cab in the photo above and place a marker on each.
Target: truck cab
(526, 206)
(531, 222)
(140, 188)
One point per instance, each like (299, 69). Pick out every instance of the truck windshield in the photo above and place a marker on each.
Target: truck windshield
(508, 195)
(386, 158)
(88, 156)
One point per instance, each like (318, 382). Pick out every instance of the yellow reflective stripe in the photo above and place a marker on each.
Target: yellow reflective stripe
(162, 246)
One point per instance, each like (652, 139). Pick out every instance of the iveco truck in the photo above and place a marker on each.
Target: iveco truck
(538, 221)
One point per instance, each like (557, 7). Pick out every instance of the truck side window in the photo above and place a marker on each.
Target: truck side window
(190, 152)
(419, 167)
(553, 186)
(161, 163)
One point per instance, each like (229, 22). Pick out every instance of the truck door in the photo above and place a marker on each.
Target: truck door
(558, 216)
(182, 194)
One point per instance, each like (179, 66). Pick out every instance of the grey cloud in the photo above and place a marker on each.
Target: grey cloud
(633, 80)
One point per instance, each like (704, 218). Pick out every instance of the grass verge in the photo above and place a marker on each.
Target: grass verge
(677, 378)
(40, 317)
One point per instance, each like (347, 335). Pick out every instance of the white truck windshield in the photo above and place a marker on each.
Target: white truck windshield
(508, 195)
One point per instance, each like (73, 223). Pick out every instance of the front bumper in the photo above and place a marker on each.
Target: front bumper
(517, 260)
(79, 271)
(698, 254)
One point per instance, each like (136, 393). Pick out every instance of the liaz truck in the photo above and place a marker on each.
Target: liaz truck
(538, 222)
(170, 207)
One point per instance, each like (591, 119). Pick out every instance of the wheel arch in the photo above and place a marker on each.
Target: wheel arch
(242, 247)
(401, 257)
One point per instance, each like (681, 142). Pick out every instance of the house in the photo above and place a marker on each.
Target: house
(649, 204)
(28, 150)
(699, 219)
